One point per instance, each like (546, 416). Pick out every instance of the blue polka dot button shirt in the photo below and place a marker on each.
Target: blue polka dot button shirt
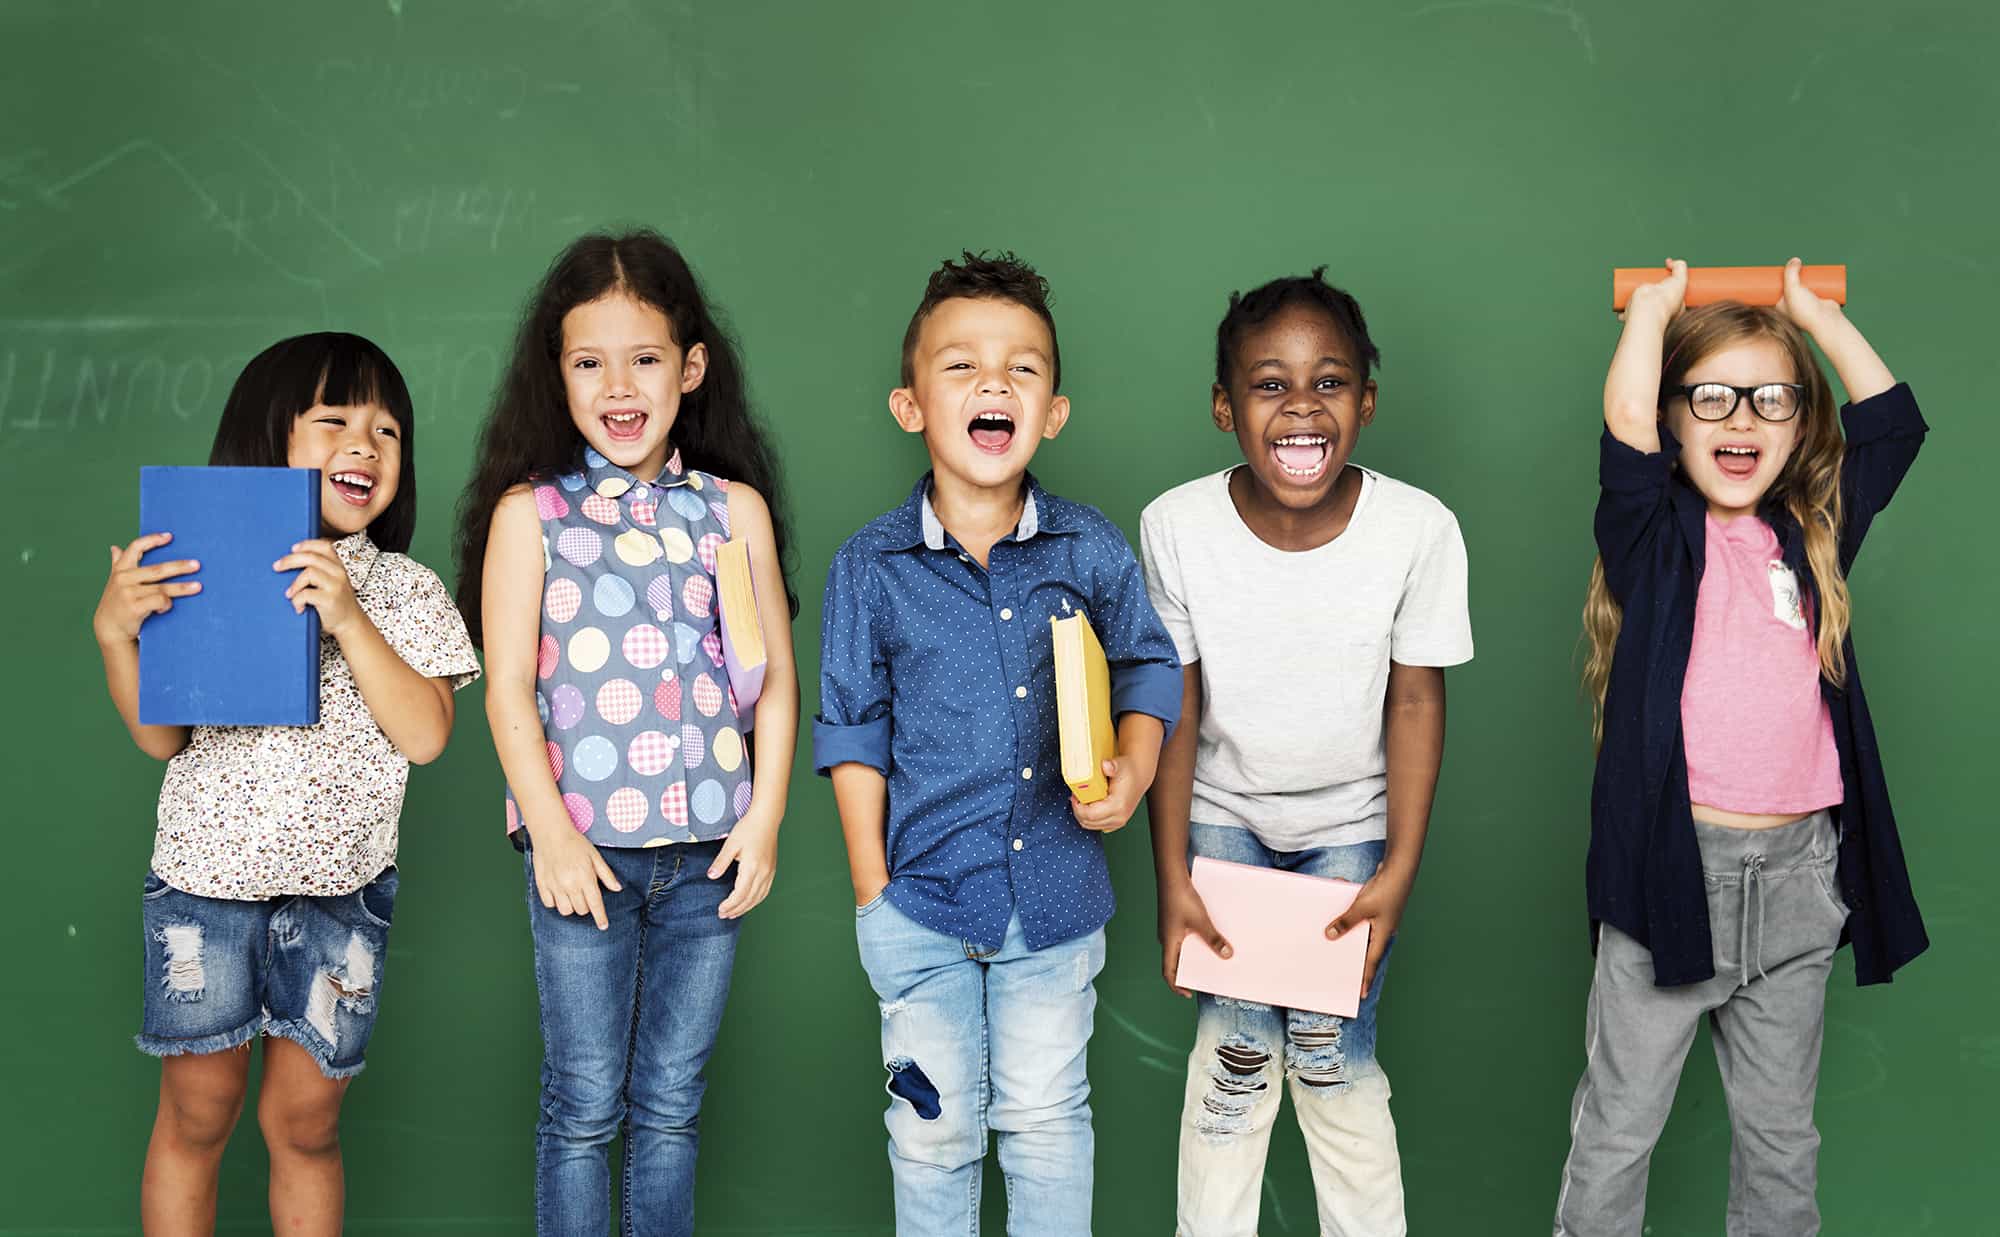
(941, 674)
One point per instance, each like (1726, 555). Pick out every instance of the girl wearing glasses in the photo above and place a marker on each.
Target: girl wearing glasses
(1740, 824)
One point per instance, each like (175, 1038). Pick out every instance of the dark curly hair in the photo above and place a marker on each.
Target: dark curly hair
(1002, 277)
(1255, 307)
(529, 433)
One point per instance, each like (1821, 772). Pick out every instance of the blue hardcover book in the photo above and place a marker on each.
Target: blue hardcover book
(233, 654)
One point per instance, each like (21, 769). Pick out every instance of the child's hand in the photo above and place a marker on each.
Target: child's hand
(134, 592)
(322, 583)
(1183, 914)
(1809, 311)
(1379, 904)
(753, 847)
(568, 872)
(1659, 303)
(1123, 791)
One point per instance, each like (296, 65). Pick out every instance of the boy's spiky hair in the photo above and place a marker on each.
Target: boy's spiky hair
(1001, 277)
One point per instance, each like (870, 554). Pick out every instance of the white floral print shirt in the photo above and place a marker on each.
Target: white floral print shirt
(252, 812)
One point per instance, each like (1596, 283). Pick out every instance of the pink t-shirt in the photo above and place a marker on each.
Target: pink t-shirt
(1757, 732)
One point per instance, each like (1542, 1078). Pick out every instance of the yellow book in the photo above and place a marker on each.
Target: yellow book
(1083, 707)
(742, 632)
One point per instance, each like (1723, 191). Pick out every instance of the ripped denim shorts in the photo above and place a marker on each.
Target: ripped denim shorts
(218, 971)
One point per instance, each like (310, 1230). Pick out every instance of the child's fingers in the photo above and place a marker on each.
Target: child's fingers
(725, 857)
(153, 573)
(595, 901)
(605, 876)
(1349, 919)
(137, 548)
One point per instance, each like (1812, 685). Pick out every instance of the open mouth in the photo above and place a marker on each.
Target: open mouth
(992, 432)
(1302, 457)
(1737, 460)
(625, 425)
(354, 488)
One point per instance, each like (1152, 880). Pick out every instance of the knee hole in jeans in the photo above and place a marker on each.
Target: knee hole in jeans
(1236, 1082)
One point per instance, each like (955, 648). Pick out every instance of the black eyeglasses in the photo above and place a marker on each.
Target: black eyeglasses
(1717, 401)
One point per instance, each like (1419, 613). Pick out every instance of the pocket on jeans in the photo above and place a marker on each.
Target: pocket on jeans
(873, 904)
(377, 898)
(154, 887)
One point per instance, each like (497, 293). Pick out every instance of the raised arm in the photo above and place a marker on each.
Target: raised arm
(1632, 387)
(132, 594)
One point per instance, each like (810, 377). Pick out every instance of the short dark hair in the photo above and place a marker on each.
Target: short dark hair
(1257, 306)
(327, 367)
(1002, 277)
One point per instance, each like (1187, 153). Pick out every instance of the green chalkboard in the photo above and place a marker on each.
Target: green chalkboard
(182, 184)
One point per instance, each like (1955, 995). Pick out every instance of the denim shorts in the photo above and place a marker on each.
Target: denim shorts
(218, 971)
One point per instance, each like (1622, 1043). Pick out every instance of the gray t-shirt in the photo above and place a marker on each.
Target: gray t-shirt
(1294, 649)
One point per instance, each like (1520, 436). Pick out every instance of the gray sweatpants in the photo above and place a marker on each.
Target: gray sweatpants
(1775, 913)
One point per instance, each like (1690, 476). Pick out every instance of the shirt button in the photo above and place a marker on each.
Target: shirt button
(1020, 693)
(1006, 614)
(1017, 843)
(1027, 773)
(965, 558)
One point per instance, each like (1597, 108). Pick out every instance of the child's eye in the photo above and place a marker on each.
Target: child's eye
(330, 421)
(1269, 384)
(958, 365)
(586, 362)
(1331, 384)
(646, 360)
(388, 431)
(1026, 369)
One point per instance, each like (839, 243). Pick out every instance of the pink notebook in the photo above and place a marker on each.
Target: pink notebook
(1275, 923)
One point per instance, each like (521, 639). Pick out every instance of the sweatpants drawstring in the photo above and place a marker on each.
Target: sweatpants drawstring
(1753, 867)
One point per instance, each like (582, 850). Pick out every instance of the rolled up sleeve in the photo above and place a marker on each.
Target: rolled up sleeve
(853, 725)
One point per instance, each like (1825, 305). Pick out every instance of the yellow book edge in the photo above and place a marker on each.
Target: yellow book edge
(738, 599)
(1085, 733)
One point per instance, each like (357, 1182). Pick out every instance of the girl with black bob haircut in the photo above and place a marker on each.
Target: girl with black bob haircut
(331, 368)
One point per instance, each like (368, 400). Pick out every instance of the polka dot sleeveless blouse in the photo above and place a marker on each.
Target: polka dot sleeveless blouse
(643, 733)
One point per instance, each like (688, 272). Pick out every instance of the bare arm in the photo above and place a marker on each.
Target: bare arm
(568, 869)
(861, 794)
(1632, 387)
(1413, 736)
(1180, 908)
(1861, 371)
(414, 710)
(753, 843)
(132, 594)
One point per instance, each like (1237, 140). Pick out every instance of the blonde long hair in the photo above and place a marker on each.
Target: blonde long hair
(1808, 486)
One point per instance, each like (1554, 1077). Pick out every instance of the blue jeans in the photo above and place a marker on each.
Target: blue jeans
(629, 1015)
(973, 1040)
(307, 969)
(1245, 1052)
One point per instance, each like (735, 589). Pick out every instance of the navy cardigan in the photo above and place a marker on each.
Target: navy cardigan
(1644, 873)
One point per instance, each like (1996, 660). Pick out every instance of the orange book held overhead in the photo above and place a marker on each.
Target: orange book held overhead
(1752, 285)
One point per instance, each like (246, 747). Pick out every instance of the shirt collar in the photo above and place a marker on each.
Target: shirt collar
(358, 554)
(918, 523)
(610, 480)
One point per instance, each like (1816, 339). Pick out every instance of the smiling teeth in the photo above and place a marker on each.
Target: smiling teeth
(1302, 440)
(623, 418)
(1737, 450)
(355, 478)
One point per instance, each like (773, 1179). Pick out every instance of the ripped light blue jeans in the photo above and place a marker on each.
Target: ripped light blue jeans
(1243, 1051)
(975, 1039)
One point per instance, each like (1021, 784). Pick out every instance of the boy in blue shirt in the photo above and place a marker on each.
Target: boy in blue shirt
(980, 883)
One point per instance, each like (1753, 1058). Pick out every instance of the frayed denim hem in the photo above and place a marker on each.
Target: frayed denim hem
(299, 1032)
(223, 1041)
